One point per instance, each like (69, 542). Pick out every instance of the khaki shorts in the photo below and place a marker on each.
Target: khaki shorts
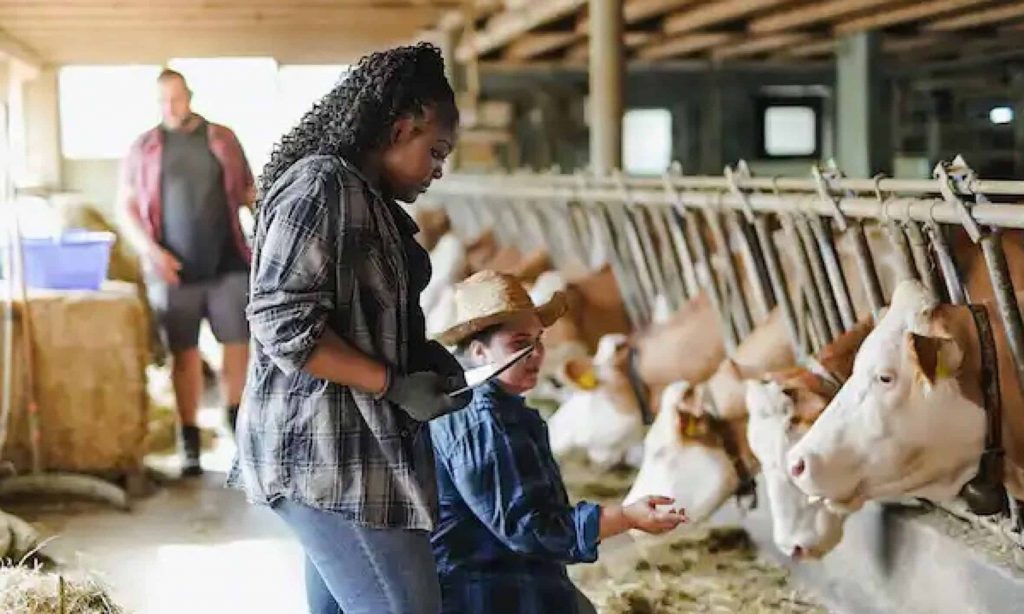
(181, 309)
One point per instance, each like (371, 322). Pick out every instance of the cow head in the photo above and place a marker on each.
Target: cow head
(600, 414)
(683, 458)
(782, 409)
(901, 425)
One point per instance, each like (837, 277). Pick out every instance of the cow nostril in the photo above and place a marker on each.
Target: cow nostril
(798, 468)
(797, 553)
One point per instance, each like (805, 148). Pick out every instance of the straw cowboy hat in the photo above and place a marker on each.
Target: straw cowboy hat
(489, 298)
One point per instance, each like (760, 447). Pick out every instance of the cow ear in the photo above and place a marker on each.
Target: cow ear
(937, 357)
(579, 373)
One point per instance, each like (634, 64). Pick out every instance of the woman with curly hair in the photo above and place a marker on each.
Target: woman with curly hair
(342, 380)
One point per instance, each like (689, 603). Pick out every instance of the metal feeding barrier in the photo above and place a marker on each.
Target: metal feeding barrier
(754, 243)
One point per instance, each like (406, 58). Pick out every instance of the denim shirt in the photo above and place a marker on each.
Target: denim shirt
(506, 528)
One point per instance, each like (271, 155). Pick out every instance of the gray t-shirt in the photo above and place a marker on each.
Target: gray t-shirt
(196, 227)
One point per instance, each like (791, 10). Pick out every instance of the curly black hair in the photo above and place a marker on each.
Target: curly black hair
(355, 117)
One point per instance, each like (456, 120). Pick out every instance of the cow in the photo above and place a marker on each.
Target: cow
(910, 421)
(686, 347)
(433, 224)
(766, 349)
(685, 457)
(602, 415)
(782, 407)
(449, 266)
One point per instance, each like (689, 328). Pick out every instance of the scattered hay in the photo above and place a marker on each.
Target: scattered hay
(714, 570)
(26, 590)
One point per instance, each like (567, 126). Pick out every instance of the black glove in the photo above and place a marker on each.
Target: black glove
(441, 361)
(424, 395)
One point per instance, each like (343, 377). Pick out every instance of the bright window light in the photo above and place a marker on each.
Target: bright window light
(300, 86)
(1000, 115)
(104, 108)
(647, 141)
(790, 131)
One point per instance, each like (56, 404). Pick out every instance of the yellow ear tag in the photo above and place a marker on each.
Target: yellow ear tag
(691, 427)
(941, 372)
(587, 381)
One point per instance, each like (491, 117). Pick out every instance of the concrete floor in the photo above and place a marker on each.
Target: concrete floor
(194, 546)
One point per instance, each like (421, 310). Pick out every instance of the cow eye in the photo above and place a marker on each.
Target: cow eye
(885, 378)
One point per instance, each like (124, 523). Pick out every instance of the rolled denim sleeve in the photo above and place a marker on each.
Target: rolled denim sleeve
(291, 295)
(497, 473)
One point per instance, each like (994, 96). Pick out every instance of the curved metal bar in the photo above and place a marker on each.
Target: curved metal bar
(778, 282)
(668, 256)
(954, 287)
(737, 301)
(840, 293)
(819, 278)
(706, 278)
(922, 260)
(807, 288)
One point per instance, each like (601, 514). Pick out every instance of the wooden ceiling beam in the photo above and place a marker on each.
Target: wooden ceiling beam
(683, 45)
(714, 13)
(505, 27)
(809, 14)
(809, 50)
(539, 43)
(904, 14)
(12, 47)
(759, 44)
(977, 19)
(635, 11)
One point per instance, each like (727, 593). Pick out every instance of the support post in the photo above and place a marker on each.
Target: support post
(860, 113)
(606, 85)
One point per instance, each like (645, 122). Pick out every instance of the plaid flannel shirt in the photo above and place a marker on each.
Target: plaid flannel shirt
(506, 529)
(329, 252)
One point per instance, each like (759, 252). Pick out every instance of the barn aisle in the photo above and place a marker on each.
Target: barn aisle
(193, 546)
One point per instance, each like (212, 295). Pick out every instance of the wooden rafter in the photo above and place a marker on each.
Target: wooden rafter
(504, 28)
(714, 13)
(977, 19)
(809, 50)
(904, 14)
(683, 45)
(809, 14)
(14, 48)
(539, 43)
(635, 11)
(759, 44)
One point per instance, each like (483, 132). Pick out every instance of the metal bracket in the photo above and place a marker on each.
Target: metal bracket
(742, 172)
(955, 177)
(825, 181)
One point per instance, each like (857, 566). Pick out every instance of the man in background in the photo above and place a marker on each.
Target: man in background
(181, 188)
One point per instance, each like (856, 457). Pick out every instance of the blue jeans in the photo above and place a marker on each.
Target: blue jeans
(352, 569)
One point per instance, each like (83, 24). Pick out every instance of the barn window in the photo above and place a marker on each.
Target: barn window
(646, 141)
(103, 108)
(790, 128)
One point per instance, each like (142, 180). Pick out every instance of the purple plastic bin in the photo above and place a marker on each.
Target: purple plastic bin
(76, 260)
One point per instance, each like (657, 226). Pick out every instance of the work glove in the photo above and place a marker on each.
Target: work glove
(424, 395)
(441, 361)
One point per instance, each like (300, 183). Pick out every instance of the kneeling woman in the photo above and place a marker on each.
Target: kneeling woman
(507, 529)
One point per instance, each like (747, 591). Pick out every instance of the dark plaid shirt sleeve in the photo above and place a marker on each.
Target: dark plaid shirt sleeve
(291, 298)
(503, 476)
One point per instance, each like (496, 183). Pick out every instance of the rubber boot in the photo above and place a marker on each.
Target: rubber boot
(231, 414)
(190, 466)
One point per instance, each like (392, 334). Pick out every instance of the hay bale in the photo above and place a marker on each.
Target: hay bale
(34, 591)
(90, 352)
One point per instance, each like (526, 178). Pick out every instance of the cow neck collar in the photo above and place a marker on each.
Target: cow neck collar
(990, 466)
(746, 491)
(639, 389)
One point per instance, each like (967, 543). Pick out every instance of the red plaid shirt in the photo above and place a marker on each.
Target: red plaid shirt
(141, 171)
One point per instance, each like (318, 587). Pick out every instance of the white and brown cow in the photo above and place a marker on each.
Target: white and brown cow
(685, 457)
(910, 420)
(782, 407)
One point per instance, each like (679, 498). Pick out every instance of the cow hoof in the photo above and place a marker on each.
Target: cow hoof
(983, 498)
